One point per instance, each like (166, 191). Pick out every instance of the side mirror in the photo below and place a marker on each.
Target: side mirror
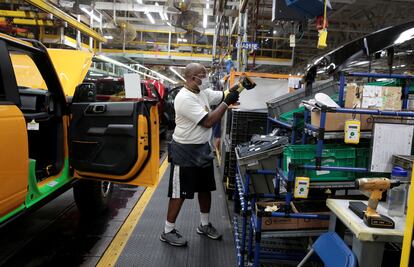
(84, 92)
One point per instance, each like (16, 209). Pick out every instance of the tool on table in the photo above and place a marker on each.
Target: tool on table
(352, 131)
(376, 186)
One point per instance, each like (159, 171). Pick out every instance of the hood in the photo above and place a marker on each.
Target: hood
(71, 66)
(369, 44)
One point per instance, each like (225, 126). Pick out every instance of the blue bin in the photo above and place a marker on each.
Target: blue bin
(309, 8)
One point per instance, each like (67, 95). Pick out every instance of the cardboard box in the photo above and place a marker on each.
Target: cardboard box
(282, 223)
(373, 97)
(334, 121)
(353, 96)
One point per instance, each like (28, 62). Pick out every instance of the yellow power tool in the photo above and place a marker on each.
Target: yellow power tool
(245, 82)
(375, 186)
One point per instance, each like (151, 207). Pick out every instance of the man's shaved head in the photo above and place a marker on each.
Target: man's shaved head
(193, 69)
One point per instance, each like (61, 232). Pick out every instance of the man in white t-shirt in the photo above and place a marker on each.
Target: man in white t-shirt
(192, 168)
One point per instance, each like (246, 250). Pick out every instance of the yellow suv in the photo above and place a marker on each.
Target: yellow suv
(48, 144)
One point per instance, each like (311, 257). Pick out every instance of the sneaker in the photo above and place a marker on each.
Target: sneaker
(173, 238)
(209, 231)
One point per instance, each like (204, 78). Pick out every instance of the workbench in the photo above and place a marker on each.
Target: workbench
(367, 243)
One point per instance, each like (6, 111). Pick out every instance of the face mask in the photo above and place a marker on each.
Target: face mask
(205, 84)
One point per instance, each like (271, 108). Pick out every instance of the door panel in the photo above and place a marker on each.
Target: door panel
(111, 140)
(14, 159)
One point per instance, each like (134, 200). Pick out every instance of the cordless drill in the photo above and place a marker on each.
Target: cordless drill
(376, 186)
(245, 82)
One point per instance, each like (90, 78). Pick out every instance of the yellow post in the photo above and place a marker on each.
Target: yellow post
(409, 223)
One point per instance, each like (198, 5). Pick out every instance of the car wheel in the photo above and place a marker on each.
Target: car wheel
(92, 197)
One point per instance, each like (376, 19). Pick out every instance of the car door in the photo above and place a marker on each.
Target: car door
(115, 141)
(14, 156)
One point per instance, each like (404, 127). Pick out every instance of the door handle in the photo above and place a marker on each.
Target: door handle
(97, 109)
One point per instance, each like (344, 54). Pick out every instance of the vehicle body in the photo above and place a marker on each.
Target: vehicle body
(49, 144)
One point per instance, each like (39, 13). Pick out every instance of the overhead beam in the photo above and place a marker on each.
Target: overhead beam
(30, 22)
(49, 8)
(23, 14)
(143, 8)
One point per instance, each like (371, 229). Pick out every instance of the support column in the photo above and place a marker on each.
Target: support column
(78, 35)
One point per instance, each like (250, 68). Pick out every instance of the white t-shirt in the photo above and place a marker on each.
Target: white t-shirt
(190, 108)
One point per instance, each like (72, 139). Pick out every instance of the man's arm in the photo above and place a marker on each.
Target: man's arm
(215, 116)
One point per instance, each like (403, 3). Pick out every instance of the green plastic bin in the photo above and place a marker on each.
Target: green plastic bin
(288, 116)
(332, 155)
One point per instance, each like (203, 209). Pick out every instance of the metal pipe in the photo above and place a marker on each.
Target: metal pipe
(244, 51)
(280, 123)
(300, 215)
(341, 89)
(331, 168)
(380, 75)
(243, 6)
(374, 112)
(169, 42)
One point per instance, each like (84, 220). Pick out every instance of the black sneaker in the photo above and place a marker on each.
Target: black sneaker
(173, 238)
(209, 231)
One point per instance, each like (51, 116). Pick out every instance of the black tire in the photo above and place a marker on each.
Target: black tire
(92, 197)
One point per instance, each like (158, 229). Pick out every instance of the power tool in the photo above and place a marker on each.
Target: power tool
(375, 186)
(245, 82)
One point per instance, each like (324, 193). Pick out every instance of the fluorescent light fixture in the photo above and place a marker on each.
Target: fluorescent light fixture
(205, 18)
(109, 37)
(139, 2)
(162, 15)
(110, 60)
(405, 36)
(149, 16)
(176, 73)
(95, 74)
(182, 40)
(169, 24)
(91, 14)
(119, 64)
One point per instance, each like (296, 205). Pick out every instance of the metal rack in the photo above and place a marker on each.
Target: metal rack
(248, 199)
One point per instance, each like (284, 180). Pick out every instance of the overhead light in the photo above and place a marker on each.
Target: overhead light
(110, 60)
(205, 18)
(149, 16)
(91, 14)
(119, 64)
(182, 40)
(176, 73)
(109, 37)
(205, 21)
(169, 24)
(161, 13)
(274, 32)
(139, 2)
(95, 74)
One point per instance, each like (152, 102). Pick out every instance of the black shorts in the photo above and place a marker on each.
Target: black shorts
(185, 181)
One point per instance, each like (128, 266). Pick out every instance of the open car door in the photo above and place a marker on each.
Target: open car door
(115, 141)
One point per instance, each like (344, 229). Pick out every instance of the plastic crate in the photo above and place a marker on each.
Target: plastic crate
(288, 116)
(266, 160)
(291, 101)
(332, 155)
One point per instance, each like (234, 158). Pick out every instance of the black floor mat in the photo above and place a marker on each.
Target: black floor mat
(145, 249)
